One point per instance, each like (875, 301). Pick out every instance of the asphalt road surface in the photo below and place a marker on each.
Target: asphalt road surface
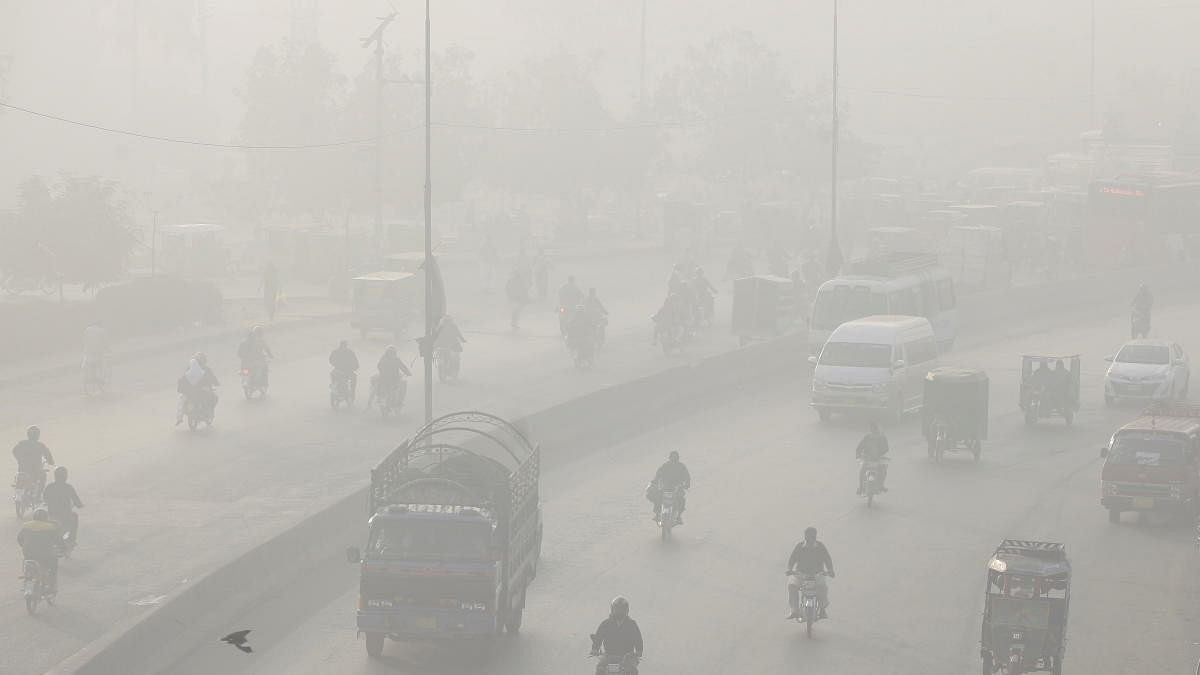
(909, 592)
(164, 504)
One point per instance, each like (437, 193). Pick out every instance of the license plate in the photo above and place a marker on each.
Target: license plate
(425, 623)
(1143, 503)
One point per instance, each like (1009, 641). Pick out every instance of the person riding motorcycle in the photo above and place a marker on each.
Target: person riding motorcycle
(345, 366)
(39, 539)
(673, 313)
(198, 384)
(1143, 302)
(872, 448)
(672, 475)
(569, 296)
(809, 557)
(95, 348)
(61, 500)
(618, 636)
(702, 292)
(31, 454)
(390, 367)
(254, 352)
(581, 331)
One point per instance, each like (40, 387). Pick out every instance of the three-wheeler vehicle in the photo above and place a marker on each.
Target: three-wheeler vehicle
(955, 414)
(1049, 386)
(1026, 601)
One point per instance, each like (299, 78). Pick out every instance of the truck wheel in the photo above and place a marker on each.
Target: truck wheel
(516, 614)
(987, 664)
(1114, 516)
(375, 645)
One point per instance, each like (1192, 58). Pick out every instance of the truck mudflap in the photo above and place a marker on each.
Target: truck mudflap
(428, 624)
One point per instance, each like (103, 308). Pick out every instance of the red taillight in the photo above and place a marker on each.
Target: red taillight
(245, 371)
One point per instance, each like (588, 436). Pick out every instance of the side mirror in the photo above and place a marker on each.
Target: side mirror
(899, 364)
(812, 360)
(1109, 359)
(353, 555)
(1104, 452)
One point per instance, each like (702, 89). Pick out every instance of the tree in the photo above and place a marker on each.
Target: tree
(77, 227)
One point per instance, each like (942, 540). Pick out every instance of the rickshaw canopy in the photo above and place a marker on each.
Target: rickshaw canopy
(961, 395)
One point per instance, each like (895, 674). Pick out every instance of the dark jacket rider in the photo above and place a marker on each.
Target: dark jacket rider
(345, 364)
(61, 500)
(619, 636)
(672, 475)
(872, 448)
(390, 366)
(31, 453)
(810, 557)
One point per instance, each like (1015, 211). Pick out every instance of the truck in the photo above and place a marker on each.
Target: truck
(1152, 463)
(454, 533)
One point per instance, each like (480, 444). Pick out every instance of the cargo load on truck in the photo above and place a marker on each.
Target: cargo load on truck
(454, 534)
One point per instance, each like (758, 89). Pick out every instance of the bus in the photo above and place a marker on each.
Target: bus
(897, 284)
(1131, 218)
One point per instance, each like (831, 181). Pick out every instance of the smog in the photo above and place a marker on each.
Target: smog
(621, 337)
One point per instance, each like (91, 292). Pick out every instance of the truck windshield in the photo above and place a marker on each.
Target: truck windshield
(431, 539)
(858, 354)
(1152, 354)
(1145, 450)
(839, 304)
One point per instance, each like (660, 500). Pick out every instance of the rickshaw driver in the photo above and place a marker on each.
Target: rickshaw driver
(1041, 378)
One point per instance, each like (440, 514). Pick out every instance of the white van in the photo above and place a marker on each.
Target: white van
(875, 363)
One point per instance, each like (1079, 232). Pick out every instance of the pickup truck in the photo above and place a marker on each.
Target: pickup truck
(454, 534)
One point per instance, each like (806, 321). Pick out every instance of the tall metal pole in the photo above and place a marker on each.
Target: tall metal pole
(642, 65)
(154, 246)
(1092, 73)
(376, 38)
(833, 177)
(428, 228)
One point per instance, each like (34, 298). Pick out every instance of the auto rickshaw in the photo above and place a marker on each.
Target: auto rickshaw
(955, 414)
(1049, 386)
(383, 301)
(1026, 601)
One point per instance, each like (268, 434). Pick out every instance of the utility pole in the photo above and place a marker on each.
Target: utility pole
(1092, 74)
(428, 227)
(642, 65)
(154, 246)
(835, 253)
(376, 38)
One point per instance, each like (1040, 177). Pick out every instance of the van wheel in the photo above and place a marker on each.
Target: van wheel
(1114, 516)
(374, 645)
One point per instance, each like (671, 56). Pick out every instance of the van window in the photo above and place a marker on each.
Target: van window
(945, 294)
(1148, 449)
(923, 350)
(858, 354)
(837, 305)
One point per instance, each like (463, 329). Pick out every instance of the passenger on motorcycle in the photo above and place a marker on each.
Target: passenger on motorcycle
(390, 367)
(61, 501)
(197, 384)
(581, 331)
(254, 352)
(809, 557)
(672, 475)
(30, 454)
(594, 308)
(619, 636)
(345, 366)
(39, 542)
(569, 294)
(872, 448)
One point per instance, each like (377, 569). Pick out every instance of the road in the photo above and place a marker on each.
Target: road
(165, 505)
(908, 595)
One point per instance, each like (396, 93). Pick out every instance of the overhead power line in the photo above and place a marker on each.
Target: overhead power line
(966, 97)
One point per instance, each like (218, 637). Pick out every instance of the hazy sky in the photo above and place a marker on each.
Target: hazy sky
(76, 58)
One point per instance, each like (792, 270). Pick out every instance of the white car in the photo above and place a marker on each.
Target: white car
(1148, 370)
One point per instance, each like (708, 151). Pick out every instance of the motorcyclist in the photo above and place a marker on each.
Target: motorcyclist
(95, 348)
(254, 352)
(390, 367)
(31, 454)
(581, 332)
(672, 475)
(198, 383)
(39, 542)
(872, 448)
(569, 294)
(703, 291)
(597, 313)
(448, 335)
(617, 637)
(809, 557)
(345, 366)
(672, 313)
(61, 500)
(1143, 302)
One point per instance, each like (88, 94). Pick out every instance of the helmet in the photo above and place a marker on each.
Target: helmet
(40, 513)
(391, 349)
(620, 606)
(874, 427)
(33, 433)
(60, 473)
(674, 456)
(810, 531)
(201, 358)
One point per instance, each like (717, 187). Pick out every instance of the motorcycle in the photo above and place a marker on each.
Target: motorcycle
(200, 409)
(582, 346)
(254, 380)
(448, 362)
(35, 586)
(873, 480)
(564, 320)
(95, 376)
(668, 517)
(625, 665)
(810, 607)
(391, 401)
(669, 334)
(1139, 323)
(27, 492)
(340, 391)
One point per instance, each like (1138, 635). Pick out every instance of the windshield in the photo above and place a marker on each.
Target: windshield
(438, 539)
(1152, 354)
(1147, 450)
(839, 304)
(858, 354)
(1020, 612)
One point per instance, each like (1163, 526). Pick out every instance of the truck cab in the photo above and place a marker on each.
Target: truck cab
(1153, 463)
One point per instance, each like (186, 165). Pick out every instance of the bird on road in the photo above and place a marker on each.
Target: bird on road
(238, 639)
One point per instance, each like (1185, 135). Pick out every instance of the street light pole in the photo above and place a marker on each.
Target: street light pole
(1092, 73)
(376, 38)
(428, 228)
(154, 246)
(834, 247)
(642, 64)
